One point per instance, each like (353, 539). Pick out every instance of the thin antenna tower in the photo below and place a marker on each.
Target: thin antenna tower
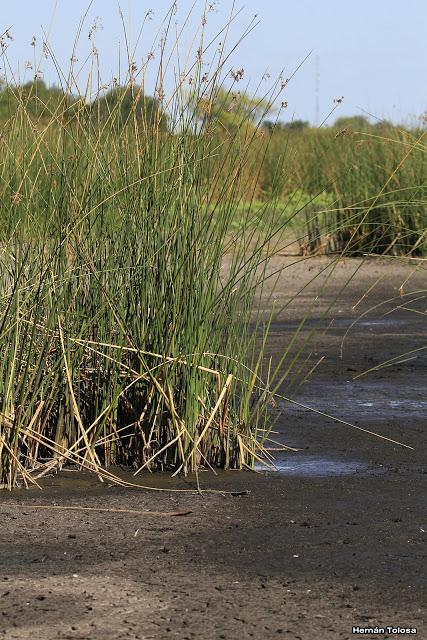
(317, 89)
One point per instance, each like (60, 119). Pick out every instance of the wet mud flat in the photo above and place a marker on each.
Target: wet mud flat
(334, 539)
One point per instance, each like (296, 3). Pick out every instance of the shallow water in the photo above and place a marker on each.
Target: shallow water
(387, 406)
(342, 323)
(312, 466)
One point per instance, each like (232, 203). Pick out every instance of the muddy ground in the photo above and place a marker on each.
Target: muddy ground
(335, 539)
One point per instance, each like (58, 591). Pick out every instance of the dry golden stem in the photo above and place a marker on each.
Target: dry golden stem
(162, 514)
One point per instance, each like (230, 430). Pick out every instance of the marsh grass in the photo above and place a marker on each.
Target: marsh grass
(340, 190)
(373, 182)
(123, 339)
(135, 243)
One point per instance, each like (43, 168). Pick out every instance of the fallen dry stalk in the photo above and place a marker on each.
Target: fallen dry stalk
(135, 512)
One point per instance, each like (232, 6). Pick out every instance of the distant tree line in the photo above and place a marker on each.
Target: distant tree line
(226, 109)
(355, 123)
(41, 102)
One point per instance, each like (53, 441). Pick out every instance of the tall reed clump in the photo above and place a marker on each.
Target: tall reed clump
(123, 338)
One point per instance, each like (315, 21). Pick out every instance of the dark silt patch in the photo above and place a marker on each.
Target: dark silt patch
(378, 400)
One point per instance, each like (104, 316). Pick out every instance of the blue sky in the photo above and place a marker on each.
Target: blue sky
(374, 53)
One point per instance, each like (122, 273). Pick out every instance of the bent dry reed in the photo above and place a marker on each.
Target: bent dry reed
(123, 340)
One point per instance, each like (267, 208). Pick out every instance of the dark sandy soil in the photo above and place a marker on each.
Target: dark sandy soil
(336, 539)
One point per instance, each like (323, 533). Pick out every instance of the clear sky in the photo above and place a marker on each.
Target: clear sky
(372, 52)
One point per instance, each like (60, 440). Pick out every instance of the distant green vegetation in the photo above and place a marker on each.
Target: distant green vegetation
(369, 195)
(42, 104)
(374, 176)
(121, 103)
